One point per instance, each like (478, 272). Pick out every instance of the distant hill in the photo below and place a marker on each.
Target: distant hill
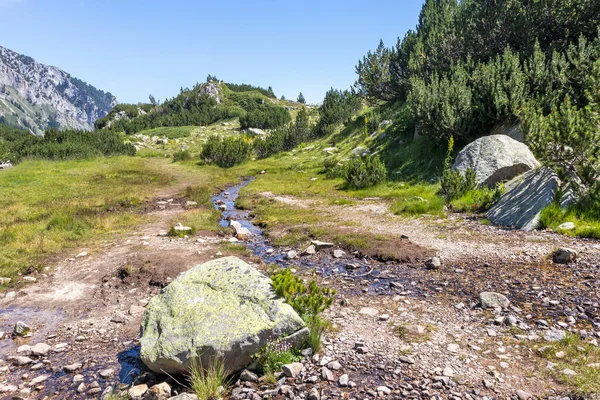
(35, 96)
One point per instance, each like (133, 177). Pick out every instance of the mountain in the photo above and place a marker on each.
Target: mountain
(37, 96)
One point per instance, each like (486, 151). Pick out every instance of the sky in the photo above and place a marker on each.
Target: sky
(135, 48)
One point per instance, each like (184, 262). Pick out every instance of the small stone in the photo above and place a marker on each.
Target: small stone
(453, 348)
(136, 392)
(81, 388)
(321, 245)
(554, 335)
(493, 300)
(21, 329)
(569, 372)
(247, 376)
(326, 374)
(39, 379)
(384, 317)
(41, 349)
(292, 254)
(449, 372)
(161, 391)
(343, 380)
(292, 370)
(334, 365)
(384, 390)
(339, 253)
(107, 373)
(560, 354)
(368, 311)
(314, 394)
(564, 255)
(78, 378)
(522, 395)
(310, 250)
(406, 359)
(434, 263)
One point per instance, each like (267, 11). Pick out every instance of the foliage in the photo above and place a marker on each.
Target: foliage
(454, 184)
(244, 87)
(226, 152)
(16, 145)
(308, 301)
(363, 172)
(182, 155)
(374, 75)
(265, 116)
(210, 382)
(477, 200)
(301, 99)
(338, 106)
(274, 355)
(285, 138)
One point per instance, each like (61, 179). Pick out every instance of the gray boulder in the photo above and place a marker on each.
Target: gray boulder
(256, 132)
(495, 158)
(493, 300)
(526, 196)
(222, 308)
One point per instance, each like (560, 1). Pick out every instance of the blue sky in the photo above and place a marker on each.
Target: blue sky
(136, 48)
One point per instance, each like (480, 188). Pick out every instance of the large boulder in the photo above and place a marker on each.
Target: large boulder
(224, 307)
(525, 198)
(495, 158)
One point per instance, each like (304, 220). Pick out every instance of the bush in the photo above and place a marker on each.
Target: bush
(265, 116)
(226, 152)
(453, 183)
(308, 301)
(333, 168)
(183, 155)
(363, 172)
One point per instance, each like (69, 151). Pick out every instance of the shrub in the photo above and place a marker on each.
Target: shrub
(308, 301)
(453, 183)
(226, 152)
(265, 116)
(183, 155)
(211, 382)
(363, 172)
(333, 168)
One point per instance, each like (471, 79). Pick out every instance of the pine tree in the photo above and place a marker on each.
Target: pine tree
(301, 98)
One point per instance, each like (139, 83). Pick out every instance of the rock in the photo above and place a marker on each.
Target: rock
(522, 395)
(339, 253)
(4, 281)
(106, 373)
(554, 335)
(8, 388)
(180, 228)
(310, 250)
(257, 132)
(72, 367)
(321, 245)
(384, 390)
(240, 232)
(493, 300)
(5, 165)
(292, 370)
(247, 376)
(434, 263)
(567, 226)
(372, 312)
(448, 371)
(494, 159)
(521, 206)
(20, 360)
(334, 365)
(161, 391)
(40, 349)
(327, 374)
(314, 394)
(291, 255)
(569, 372)
(223, 306)
(453, 348)
(564, 255)
(21, 329)
(39, 379)
(137, 392)
(406, 359)
(185, 396)
(343, 380)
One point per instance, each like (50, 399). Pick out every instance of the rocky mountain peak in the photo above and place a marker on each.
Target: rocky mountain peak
(37, 96)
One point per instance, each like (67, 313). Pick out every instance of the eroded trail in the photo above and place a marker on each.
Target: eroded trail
(396, 325)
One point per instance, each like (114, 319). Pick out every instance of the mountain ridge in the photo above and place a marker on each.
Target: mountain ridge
(36, 96)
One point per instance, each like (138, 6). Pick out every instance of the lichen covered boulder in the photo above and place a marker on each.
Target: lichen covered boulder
(495, 158)
(224, 307)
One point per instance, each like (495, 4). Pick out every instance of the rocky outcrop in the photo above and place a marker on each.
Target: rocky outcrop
(37, 97)
(224, 307)
(525, 198)
(495, 159)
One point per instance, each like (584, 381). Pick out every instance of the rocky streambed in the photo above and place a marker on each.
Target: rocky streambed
(411, 329)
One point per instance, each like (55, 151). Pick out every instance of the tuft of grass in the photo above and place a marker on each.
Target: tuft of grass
(275, 355)
(235, 249)
(209, 383)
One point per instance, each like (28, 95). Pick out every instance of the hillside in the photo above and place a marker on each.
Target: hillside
(37, 97)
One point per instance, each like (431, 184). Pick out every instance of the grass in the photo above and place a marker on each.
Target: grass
(170, 132)
(47, 208)
(235, 249)
(275, 355)
(587, 223)
(209, 383)
(578, 355)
